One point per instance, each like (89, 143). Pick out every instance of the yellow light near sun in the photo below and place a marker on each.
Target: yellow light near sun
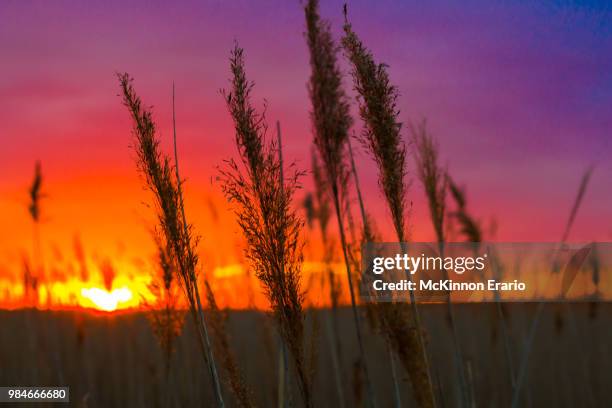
(128, 291)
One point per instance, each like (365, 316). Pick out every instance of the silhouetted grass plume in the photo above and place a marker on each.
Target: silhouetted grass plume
(161, 178)
(382, 137)
(331, 123)
(262, 199)
(435, 183)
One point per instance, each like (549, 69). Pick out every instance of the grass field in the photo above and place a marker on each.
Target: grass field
(114, 359)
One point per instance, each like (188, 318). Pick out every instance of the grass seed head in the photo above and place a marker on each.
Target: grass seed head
(35, 192)
(382, 129)
(432, 176)
(262, 203)
(330, 108)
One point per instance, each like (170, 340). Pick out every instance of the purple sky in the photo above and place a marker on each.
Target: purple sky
(518, 94)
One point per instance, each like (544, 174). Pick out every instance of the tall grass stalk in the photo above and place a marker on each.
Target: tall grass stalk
(524, 363)
(163, 179)
(31, 273)
(472, 232)
(34, 209)
(331, 122)
(435, 182)
(584, 182)
(191, 275)
(368, 236)
(381, 136)
(396, 388)
(165, 317)
(262, 203)
(234, 378)
(283, 381)
(469, 226)
(32, 282)
(284, 390)
(322, 212)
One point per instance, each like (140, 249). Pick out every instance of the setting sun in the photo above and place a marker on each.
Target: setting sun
(105, 300)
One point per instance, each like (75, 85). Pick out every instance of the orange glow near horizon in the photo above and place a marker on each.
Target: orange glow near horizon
(125, 293)
(233, 288)
(128, 292)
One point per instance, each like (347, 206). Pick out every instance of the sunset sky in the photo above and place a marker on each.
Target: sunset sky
(519, 96)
